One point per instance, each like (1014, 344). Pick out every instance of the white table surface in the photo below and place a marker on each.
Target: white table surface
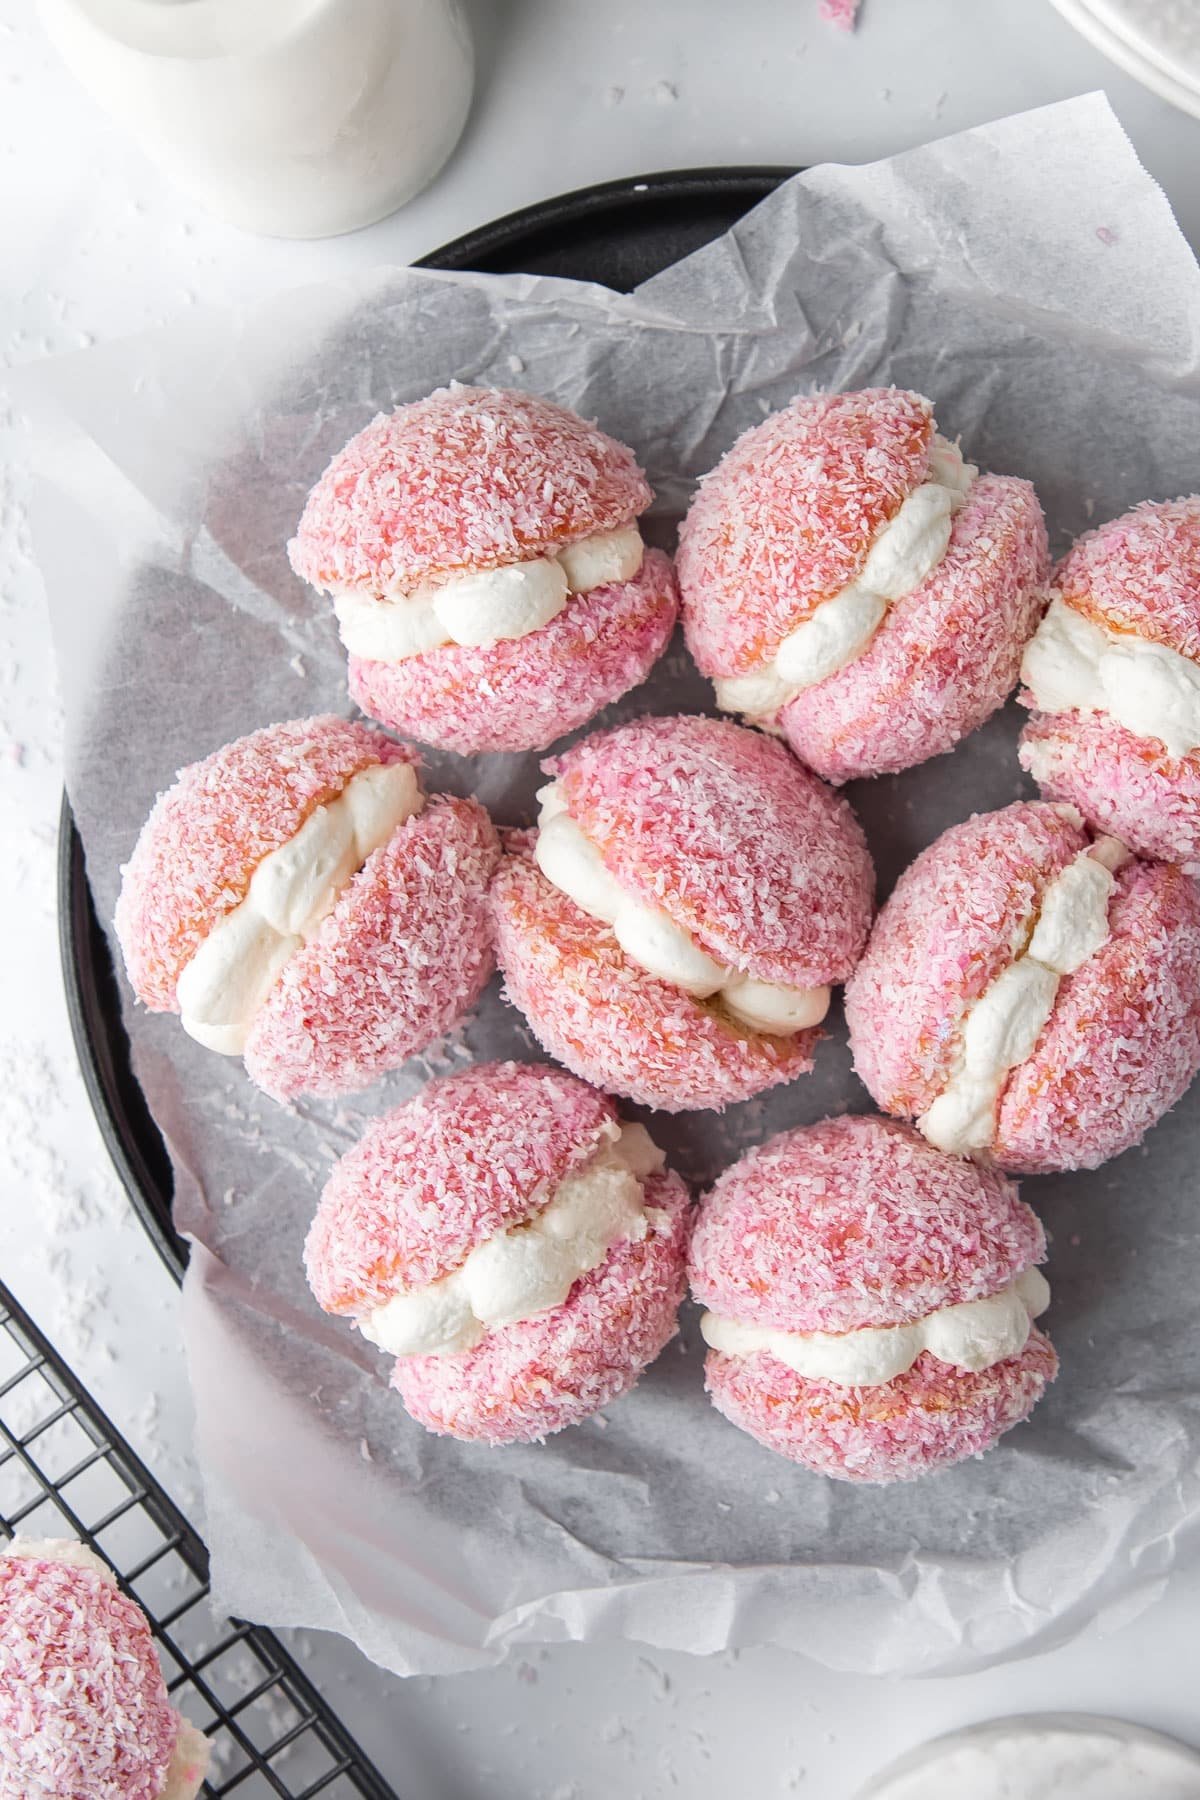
(96, 244)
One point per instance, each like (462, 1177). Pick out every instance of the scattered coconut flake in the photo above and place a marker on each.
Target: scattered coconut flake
(841, 14)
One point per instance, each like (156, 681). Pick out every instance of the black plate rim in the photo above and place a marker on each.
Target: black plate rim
(751, 183)
(78, 925)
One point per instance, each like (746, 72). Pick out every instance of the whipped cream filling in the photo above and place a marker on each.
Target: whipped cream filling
(649, 937)
(531, 1267)
(1074, 665)
(290, 892)
(903, 554)
(189, 1763)
(485, 605)
(1000, 1030)
(973, 1336)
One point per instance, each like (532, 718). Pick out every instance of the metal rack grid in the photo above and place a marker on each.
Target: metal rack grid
(65, 1472)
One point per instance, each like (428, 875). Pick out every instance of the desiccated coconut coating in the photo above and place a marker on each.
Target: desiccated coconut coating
(929, 1417)
(1123, 1042)
(404, 953)
(1123, 784)
(956, 918)
(208, 833)
(467, 478)
(611, 1022)
(856, 1222)
(762, 865)
(84, 1713)
(1140, 574)
(524, 1381)
(786, 518)
(471, 1155)
(853, 1223)
(523, 693)
(944, 657)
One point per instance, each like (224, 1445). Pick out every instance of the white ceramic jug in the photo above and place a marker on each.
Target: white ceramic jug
(295, 118)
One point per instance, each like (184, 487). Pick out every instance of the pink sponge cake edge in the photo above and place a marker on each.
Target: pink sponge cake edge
(945, 933)
(471, 1155)
(466, 478)
(945, 656)
(1140, 573)
(83, 1705)
(523, 693)
(609, 1021)
(856, 1222)
(786, 518)
(528, 1380)
(207, 834)
(925, 1420)
(1123, 1042)
(764, 867)
(405, 952)
(1121, 783)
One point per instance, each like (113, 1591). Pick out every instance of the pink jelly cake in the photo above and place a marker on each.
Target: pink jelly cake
(300, 902)
(1031, 991)
(869, 1301)
(512, 1243)
(1112, 679)
(84, 1712)
(483, 554)
(849, 582)
(672, 930)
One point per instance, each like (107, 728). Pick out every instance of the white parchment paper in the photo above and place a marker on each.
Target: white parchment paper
(1029, 277)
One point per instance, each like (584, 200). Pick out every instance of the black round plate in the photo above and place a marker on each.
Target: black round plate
(618, 234)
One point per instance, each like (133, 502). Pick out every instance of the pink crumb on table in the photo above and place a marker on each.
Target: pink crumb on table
(841, 13)
(1106, 234)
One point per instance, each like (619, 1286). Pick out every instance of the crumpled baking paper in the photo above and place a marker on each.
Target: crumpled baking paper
(1027, 275)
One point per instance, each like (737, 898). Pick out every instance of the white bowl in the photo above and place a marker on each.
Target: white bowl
(1155, 41)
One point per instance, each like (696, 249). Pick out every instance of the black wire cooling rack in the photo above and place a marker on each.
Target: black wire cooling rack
(65, 1472)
